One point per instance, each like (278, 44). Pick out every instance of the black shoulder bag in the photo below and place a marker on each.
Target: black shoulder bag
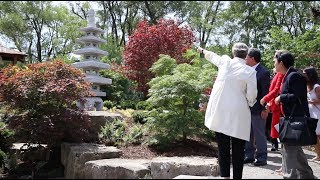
(298, 131)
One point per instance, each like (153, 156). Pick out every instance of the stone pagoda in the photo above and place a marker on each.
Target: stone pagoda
(91, 63)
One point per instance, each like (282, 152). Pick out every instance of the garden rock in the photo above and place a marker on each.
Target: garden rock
(117, 169)
(74, 156)
(171, 167)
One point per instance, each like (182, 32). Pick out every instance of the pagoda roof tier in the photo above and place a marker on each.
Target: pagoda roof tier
(90, 51)
(99, 93)
(91, 65)
(90, 38)
(97, 80)
(92, 29)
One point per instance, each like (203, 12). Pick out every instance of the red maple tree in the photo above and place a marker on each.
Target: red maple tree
(148, 42)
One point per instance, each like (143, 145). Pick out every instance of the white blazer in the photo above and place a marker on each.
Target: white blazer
(234, 90)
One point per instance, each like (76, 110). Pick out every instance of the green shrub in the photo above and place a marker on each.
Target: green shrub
(118, 133)
(139, 116)
(127, 104)
(108, 104)
(3, 161)
(122, 91)
(142, 105)
(112, 133)
(174, 98)
(135, 135)
(6, 140)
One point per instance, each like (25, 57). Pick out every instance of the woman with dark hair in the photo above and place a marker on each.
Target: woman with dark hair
(292, 99)
(314, 102)
(274, 91)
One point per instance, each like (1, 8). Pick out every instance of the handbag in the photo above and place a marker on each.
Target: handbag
(298, 130)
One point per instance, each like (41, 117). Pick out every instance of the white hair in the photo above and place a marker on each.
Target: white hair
(240, 50)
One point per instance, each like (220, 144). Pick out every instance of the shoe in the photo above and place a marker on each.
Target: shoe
(260, 163)
(278, 170)
(248, 160)
(274, 149)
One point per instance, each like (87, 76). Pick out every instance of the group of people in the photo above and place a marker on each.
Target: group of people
(242, 97)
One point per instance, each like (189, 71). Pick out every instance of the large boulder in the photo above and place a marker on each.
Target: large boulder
(74, 156)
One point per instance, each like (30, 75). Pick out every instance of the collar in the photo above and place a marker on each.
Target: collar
(255, 66)
(242, 61)
(290, 70)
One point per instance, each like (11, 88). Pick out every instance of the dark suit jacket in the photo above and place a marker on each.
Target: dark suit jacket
(263, 83)
(294, 86)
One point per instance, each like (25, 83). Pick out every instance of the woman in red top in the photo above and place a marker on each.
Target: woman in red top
(274, 91)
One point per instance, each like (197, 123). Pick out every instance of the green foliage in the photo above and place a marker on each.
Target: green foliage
(175, 98)
(164, 65)
(6, 140)
(113, 132)
(108, 104)
(135, 135)
(142, 105)
(122, 91)
(305, 46)
(139, 116)
(117, 132)
(127, 104)
(114, 51)
(42, 99)
(27, 23)
(3, 160)
(66, 58)
(6, 136)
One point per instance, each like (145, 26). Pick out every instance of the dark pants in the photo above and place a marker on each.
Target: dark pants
(273, 141)
(224, 155)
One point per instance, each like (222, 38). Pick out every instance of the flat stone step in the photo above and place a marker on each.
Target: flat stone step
(196, 177)
(117, 169)
(170, 167)
(157, 168)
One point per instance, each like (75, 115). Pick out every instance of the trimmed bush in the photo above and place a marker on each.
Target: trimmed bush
(42, 99)
(139, 116)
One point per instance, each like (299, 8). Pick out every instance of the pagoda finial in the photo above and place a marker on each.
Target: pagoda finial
(91, 19)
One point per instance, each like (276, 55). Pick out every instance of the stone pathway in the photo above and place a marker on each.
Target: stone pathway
(274, 162)
(265, 172)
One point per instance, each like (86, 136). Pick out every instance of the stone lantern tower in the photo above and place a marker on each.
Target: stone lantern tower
(91, 63)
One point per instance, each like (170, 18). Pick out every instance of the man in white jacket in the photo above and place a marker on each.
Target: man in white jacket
(228, 112)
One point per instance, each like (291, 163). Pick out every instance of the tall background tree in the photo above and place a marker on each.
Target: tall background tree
(147, 42)
(46, 30)
(40, 29)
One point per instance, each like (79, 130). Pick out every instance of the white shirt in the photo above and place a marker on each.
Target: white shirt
(234, 90)
(314, 109)
(255, 66)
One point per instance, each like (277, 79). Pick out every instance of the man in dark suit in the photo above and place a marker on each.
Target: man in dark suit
(256, 148)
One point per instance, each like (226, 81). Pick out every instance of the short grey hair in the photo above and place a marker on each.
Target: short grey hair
(240, 50)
